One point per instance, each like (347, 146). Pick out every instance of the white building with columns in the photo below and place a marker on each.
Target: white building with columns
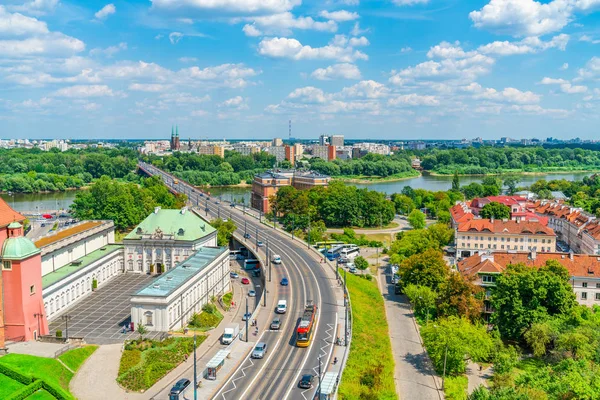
(169, 302)
(165, 238)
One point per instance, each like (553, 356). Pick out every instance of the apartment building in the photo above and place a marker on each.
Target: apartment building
(568, 223)
(268, 183)
(212, 150)
(326, 152)
(584, 270)
(518, 205)
(498, 235)
(590, 238)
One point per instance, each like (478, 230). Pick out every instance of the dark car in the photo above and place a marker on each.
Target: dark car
(285, 282)
(276, 324)
(306, 382)
(232, 205)
(246, 236)
(246, 316)
(180, 386)
(398, 288)
(256, 273)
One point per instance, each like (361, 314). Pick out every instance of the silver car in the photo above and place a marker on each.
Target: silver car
(260, 350)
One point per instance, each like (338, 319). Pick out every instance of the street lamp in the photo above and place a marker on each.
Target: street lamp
(66, 318)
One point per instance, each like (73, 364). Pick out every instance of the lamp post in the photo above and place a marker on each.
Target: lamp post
(195, 376)
(247, 332)
(346, 305)
(66, 318)
(319, 390)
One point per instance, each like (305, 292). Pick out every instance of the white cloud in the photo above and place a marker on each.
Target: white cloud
(553, 81)
(251, 30)
(15, 24)
(309, 94)
(284, 23)
(406, 49)
(339, 16)
(573, 89)
(409, 2)
(175, 37)
(54, 43)
(529, 17)
(358, 41)
(109, 51)
(589, 39)
(564, 67)
(105, 11)
(293, 49)
(91, 106)
(82, 91)
(187, 59)
(528, 45)
(237, 102)
(366, 89)
(148, 87)
(413, 99)
(226, 6)
(343, 71)
(510, 95)
(35, 7)
(591, 69)
(448, 50)
(183, 98)
(463, 69)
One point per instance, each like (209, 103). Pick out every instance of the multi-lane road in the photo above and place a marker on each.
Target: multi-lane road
(277, 375)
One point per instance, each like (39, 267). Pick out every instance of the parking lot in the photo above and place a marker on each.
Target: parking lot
(100, 317)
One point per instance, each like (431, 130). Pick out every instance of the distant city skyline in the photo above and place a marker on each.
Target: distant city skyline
(395, 70)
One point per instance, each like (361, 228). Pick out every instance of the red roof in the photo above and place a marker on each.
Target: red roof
(459, 214)
(580, 265)
(509, 226)
(8, 215)
(593, 229)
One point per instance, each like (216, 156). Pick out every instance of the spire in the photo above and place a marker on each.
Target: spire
(172, 132)
(176, 131)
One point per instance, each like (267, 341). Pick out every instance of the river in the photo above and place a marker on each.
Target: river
(51, 201)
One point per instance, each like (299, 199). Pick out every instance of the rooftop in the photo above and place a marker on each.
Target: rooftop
(506, 227)
(8, 215)
(175, 277)
(171, 224)
(65, 233)
(74, 266)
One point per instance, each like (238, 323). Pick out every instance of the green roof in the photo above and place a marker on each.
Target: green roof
(18, 248)
(185, 226)
(14, 225)
(77, 265)
(175, 277)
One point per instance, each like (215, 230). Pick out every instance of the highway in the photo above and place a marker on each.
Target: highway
(277, 375)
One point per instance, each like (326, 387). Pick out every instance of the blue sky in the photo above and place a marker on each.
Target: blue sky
(385, 69)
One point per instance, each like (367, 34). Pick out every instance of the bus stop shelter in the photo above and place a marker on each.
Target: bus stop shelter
(329, 385)
(215, 364)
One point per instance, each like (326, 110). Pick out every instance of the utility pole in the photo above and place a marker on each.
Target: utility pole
(247, 332)
(206, 205)
(66, 318)
(195, 376)
(219, 211)
(445, 358)
(256, 239)
(346, 304)
(268, 260)
(319, 391)
(245, 227)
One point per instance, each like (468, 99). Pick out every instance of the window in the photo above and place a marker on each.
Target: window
(148, 315)
(7, 265)
(597, 285)
(32, 289)
(583, 295)
(521, 247)
(583, 284)
(488, 278)
(597, 296)
(502, 247)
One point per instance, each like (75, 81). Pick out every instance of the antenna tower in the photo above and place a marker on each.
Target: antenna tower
(290, 131)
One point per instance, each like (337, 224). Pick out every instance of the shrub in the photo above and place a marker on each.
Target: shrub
(26, 391)
(157, 370)
(57, 392)
(209, 308)
(129, 359)
(94, 284)
(17, 376)
(59, 333)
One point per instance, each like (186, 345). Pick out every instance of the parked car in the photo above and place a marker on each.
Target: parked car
(224, 219)
(353, 270)
(285, 282)
(233, 275)
(398, 288)
(260, 350)
(246, 316)
(306, 382)
(252, 293)
(217, 202)
(245, 281)
(276, 324)
(260, 244)
(180, 386)
(232, 205)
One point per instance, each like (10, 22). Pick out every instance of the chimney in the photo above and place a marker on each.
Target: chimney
(156, 210)
(487, 255)
(533, 253)
(571, 256)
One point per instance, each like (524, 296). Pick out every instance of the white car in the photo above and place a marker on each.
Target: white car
(251, 293)
(276, 259)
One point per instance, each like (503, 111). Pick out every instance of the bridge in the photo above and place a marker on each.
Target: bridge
(277, 375)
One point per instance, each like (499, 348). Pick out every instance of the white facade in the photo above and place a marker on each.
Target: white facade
(171, 300)
(74, 287)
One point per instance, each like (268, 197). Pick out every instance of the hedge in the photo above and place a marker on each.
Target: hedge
(27, 390)
(55, 391)
(17, 376)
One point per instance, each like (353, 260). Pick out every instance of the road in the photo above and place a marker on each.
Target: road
(277, 375)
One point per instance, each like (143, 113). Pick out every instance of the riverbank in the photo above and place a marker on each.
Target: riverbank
(363, 180)
(520, 172)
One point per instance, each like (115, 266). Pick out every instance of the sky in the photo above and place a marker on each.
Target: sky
(367, 69)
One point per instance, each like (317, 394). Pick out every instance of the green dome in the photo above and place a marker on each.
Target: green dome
(14, 225)
(18, 248)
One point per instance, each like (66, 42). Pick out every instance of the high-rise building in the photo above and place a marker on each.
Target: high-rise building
(336, 140)
(290, 154)
(277, 142)
(326, 152)
(278, 152)
(323, 140)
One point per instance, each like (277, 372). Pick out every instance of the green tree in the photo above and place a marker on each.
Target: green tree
(361, 263)
(425, 269)
(495, 210)
(416, 219)
(225, 230)
(141, 329)
(538, 337)
(423, 300)
(455, 181)
(459, 297)
(511, 183)
(455, 340)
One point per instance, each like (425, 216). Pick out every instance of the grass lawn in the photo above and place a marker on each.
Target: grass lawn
(41, 395)
(75, 358)
(391, 225)
(206, 320)
(369, 372)
(227, 298)
(385, 238)
(8, 386)
(456, 387)
(47, 369)
(530, 365)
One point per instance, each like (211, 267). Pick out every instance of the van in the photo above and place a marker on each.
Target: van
(276, 259)
(281, 307)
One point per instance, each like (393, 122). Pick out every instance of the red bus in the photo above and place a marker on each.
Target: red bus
(307, 325)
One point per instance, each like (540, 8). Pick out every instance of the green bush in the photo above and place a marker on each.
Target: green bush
(209, 308)
(94, 284)
(156, 371)
(59, 333)
(17, 376)
(129, 359)
(27, 390)
(56, 391)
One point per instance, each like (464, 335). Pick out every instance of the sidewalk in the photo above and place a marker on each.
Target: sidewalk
(414, 374)
(96, 379)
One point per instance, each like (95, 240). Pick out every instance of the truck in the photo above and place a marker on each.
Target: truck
(230, 333)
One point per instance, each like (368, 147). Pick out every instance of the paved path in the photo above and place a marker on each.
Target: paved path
(414, 374)
(96, 379)
(478, 377)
